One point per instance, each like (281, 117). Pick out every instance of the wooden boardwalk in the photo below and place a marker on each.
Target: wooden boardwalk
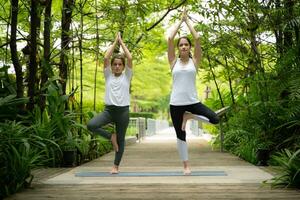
(242, 182)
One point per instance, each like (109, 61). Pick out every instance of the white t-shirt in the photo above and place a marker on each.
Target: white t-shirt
(117, 87)
(184, 90)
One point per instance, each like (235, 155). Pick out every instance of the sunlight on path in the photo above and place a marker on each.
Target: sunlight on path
(169, 134)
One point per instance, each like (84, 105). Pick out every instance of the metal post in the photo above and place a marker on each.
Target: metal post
(221, 136)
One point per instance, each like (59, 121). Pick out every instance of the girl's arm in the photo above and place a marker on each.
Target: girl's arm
(109, 53)
(126, 51)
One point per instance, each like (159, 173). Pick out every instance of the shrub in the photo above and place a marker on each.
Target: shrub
(289, 169)
(142, 114)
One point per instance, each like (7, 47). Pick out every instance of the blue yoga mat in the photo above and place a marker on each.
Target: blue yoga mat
(145, 174)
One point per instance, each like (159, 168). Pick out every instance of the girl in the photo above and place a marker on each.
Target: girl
(117, 99)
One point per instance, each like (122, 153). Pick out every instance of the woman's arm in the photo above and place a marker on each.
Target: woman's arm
(197, 48)
(126, 51)
(109, 53)
(171, 46)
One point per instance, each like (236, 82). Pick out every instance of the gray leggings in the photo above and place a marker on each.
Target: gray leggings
(118, 115)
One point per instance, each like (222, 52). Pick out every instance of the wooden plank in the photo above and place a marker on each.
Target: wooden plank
(160, 191)
(155, 156)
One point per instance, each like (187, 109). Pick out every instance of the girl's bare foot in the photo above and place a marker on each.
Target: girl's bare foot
(114, 170)
(187, 171)
(114, 142)
(186, 116)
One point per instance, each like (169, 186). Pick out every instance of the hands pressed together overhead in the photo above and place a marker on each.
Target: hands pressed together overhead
(171, 47)
(184, 15)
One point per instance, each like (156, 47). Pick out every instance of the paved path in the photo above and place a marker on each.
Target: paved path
(159, 154)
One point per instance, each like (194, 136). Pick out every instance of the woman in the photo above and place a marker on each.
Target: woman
(117, 99)
(184, 98)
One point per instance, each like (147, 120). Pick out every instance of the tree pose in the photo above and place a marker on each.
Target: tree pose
(184, 103)
(118, 76)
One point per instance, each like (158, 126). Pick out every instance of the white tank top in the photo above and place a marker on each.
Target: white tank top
(184, 90)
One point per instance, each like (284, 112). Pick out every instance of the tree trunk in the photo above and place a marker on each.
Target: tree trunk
(80, 57)
(255, 63)
(73, 71)
(33, 53)
(215, 81)
(65, 41)
(13, 49)
(97, 55)
(287, 33)
(7, 36)
(46, 61)
(230, 81)
(278, 29)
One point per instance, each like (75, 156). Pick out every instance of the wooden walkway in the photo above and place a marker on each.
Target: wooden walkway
(242, 182)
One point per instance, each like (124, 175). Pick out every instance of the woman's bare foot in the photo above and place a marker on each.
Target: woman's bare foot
(186, 168)
(114, 142)
(186, 116)
(114, 170)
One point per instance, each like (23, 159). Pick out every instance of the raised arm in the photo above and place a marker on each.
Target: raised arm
(126, 51)
(197, 48)
(109, 52)
(171, 46)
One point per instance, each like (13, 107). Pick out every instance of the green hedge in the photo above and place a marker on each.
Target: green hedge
(142, 114)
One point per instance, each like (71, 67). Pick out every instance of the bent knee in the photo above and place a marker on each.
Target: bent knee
(90, 126)
(215, 120)
(181, 137)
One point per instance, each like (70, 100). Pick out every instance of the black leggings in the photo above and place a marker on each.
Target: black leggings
(197, 109)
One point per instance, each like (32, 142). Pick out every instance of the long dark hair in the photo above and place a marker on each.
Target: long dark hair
(189, 41)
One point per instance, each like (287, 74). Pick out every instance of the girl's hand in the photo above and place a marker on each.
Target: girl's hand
(120, 37)
(117, 38)
(184, 15)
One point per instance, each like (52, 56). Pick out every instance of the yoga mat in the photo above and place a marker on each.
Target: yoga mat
(149, 174)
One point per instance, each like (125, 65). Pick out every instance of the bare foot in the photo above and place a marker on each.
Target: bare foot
(187, 171)
(186, 116)
(114, 170)
(114, 142)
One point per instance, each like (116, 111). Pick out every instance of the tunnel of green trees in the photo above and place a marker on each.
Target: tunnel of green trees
(52, 83)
